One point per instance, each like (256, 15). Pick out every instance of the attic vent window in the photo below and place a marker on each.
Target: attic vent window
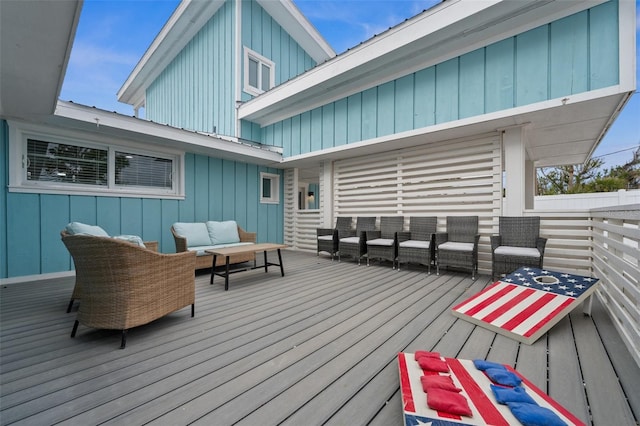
(259, 73)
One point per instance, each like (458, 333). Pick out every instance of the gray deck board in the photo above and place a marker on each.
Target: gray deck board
(317, 346)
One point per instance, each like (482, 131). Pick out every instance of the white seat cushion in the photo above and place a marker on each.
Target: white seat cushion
(386, 242)
(351, 240)
(325, 237)
(418, 244)
(455, 246)
(517, 251)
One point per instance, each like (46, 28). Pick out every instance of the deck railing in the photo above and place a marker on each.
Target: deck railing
(616, 261)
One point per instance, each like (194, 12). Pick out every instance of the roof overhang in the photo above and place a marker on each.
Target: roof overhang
(36, 37)
(70, 116)
(447, 30)
(557, 132)
(189, 17)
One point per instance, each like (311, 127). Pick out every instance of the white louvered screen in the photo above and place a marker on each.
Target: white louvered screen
(449, 178)
(290, 206)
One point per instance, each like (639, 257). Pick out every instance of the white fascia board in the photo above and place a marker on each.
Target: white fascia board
(324, 79)
(213, 145)
(491, 122)
(185, 22)
(287, 14)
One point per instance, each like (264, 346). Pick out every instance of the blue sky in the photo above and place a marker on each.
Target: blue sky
(114, 34)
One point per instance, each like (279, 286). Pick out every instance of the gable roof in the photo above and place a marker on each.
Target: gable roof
(189, 17)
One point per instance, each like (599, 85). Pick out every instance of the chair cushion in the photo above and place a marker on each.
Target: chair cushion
(455, 246)
(350, 240)
(325, 237)
(133, 239)
(517, 251)
(195, 233)
(418, 244)
(380, 242)
(223, 232)
(75, 228)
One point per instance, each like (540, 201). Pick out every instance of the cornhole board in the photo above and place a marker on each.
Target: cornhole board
(475, 388)
(527, 303)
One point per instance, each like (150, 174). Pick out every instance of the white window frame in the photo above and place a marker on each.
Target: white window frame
(275, 188)
(262, 61)
(20, 133)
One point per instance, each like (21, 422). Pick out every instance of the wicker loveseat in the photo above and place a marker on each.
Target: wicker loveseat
(200, 236)
(122, 285)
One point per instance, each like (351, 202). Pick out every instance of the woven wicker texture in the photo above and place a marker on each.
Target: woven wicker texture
(420, 229)
(389, 228)
(77, 289)
(343, 223)
(359, 248)
(460, 229)
(516, 232)
(124, 285)
(206, 260)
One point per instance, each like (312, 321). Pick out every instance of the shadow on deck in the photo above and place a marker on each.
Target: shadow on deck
(317, 346)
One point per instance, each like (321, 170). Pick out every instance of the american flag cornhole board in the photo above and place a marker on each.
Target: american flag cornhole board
(526, 303)
(476, 389)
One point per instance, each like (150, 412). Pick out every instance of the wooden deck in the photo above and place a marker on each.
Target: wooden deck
(317, 346)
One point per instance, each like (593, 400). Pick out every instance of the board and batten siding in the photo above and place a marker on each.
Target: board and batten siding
(449, 178)
(196, 90)
(262, 34)
(215, 190)
(572, 55)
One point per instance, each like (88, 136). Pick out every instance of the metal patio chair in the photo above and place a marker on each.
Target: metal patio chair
(353, 242)
(518, 244)
(458, 247)
(328, 237)
(417, 245)
(383, 244)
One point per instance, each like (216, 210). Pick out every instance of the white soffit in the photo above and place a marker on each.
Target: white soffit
(36, 37)
(76, 117)
(445, 31)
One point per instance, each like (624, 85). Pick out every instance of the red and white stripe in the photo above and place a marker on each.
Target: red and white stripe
(475, 388)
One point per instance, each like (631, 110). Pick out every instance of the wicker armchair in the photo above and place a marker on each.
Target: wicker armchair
(124, 285)
(383, 244)
(417, 245)
(458, 247)
(353, 243)
(328, 237)
(518, 244)
(77, 288)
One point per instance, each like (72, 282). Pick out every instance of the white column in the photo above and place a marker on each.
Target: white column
(326, 194)
(519, 172)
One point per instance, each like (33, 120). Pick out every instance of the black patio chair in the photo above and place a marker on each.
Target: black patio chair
(353, 242)
(458, 247)
(328, 237)
(518, 244)
(383, 244)
(417, 245)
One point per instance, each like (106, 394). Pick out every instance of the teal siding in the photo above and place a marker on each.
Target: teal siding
(264, 35)
(4, 181)
(572, 55)
(196, 90)
(215, 190)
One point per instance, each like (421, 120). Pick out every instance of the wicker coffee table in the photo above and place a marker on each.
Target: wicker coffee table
(249, 248)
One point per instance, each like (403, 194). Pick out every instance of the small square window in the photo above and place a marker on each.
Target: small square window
(269, 188)
(259, 73)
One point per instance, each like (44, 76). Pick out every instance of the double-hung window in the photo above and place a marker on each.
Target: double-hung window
(259, 73)
(48, 163)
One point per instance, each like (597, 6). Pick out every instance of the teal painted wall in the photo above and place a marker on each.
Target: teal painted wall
(262, 34)
(573, 55)
(215, 190)
(196, 91)
(4, 181)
